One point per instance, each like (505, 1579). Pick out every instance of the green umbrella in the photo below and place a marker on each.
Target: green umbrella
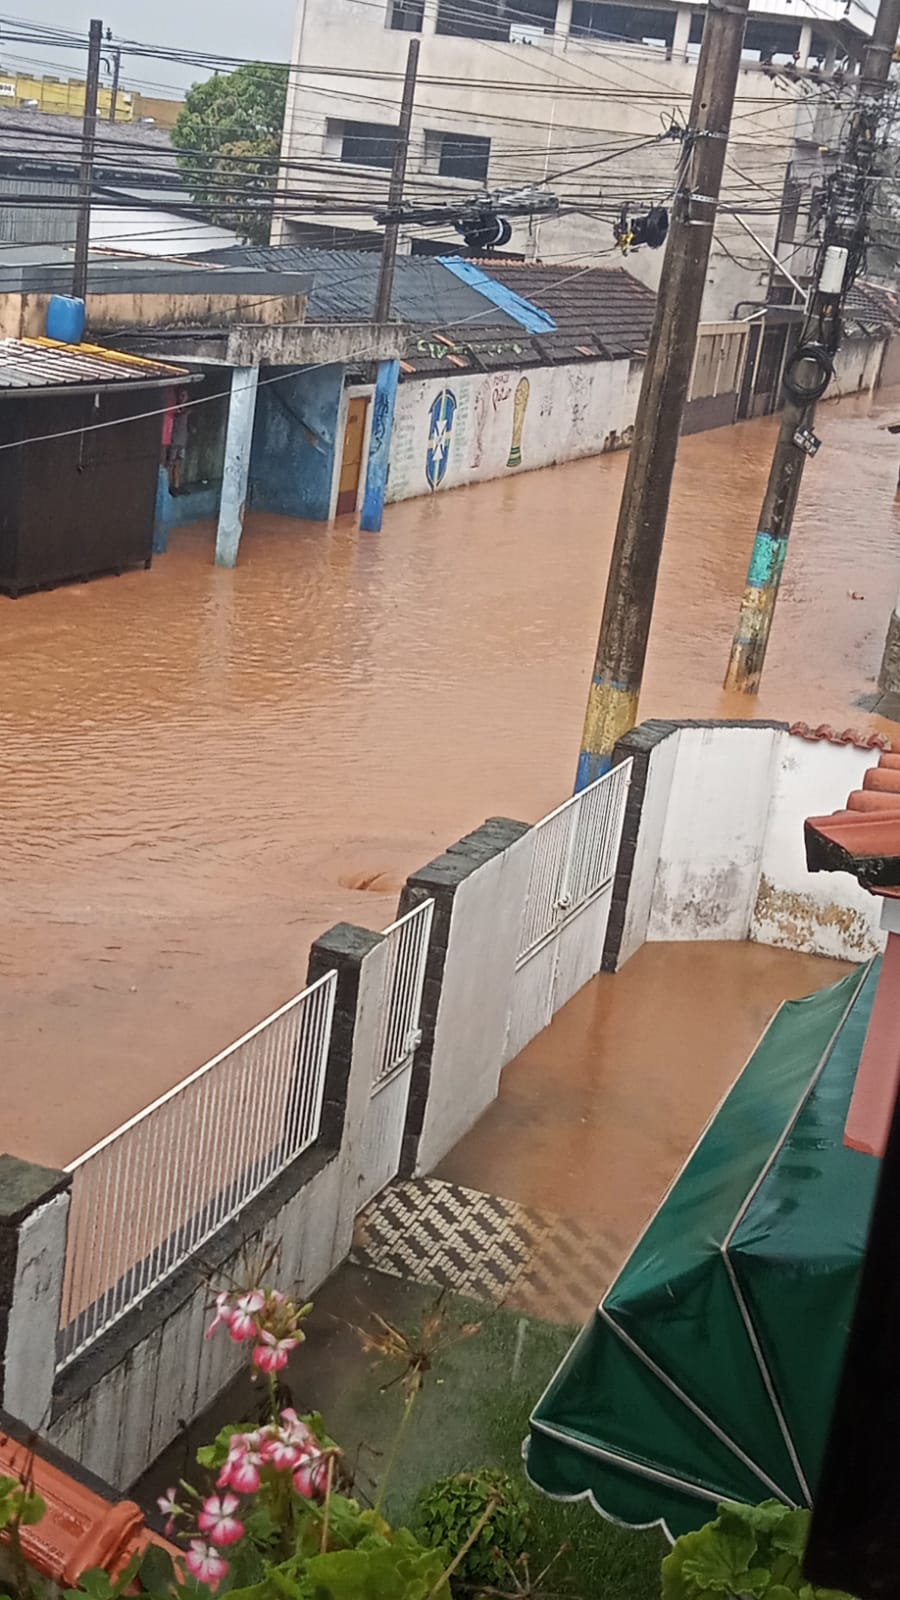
(709, 1370)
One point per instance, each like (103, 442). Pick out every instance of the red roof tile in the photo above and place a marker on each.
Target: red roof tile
(862, 741)
(863, 839)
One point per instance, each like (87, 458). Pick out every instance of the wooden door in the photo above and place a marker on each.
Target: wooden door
(351, 461)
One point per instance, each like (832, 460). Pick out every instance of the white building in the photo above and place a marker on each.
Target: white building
(574, 94)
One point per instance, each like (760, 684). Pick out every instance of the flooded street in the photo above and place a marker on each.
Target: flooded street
(202, 769)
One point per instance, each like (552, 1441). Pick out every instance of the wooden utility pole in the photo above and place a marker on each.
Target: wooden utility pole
(395, 192)
(631, 587)
(116, 53)
(86, 172)
(851, 195)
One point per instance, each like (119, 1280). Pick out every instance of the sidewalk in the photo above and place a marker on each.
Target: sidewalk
(540, 1204)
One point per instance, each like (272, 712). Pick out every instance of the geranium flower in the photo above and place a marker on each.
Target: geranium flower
(205, 1564)
(218, 1519)
(271, 1354)
(241, 1470)
(295, 1429)
(169, 1507)
(223, 1316)
(242, 1323)
(311, 1477)
(280, 1454)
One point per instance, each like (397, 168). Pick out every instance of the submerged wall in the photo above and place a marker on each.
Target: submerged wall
(294, 441)
(497, 423)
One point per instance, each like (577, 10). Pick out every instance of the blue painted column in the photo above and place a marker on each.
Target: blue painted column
(238, 441)
(383, 408)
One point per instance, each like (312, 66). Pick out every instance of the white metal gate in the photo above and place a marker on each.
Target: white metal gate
(567, 905)
(399, 1038)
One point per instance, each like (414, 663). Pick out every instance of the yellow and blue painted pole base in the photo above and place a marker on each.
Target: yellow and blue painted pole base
(748, 649)
(611, 713)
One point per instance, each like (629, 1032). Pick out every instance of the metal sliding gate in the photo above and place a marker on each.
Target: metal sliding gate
(398, 1040)
(566, 911)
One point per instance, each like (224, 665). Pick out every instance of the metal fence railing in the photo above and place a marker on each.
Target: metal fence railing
(407, 942)
(575, 853)
(148, 1196)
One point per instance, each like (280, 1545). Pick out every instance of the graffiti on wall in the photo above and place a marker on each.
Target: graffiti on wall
(440, 433)
(520, 409)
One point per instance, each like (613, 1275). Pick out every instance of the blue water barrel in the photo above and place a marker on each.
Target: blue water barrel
(65, 319)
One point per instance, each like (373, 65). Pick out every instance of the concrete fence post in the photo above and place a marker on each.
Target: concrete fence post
(34, 1207)
(360, 959)
(478, 887)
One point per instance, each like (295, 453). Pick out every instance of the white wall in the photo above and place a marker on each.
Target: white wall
(570, 410)
(155, 233)
(712, 842)
(720, 851)
(825, 911)
(856, 366)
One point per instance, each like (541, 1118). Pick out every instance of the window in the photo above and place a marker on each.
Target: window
(592, 19)
(464, 155)
(495, 19)
(369, 144)
(770, 39)
(408, 15)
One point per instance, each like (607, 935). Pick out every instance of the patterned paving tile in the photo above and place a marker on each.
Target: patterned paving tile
(487, 1247)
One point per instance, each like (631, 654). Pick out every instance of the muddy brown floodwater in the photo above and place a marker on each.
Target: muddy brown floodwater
(201, 770)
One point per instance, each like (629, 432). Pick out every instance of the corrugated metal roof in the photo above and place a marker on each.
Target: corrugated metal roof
(345, 281)
(44, 364)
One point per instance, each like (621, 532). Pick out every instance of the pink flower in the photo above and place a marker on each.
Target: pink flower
(205, 1564)
(271, 1354)
(280, 1454)
(169, 1507)
(223, 1315)
(242, 1325)
(311, 1477)
(218, 1519)
(296, 1430)
(241, 1470)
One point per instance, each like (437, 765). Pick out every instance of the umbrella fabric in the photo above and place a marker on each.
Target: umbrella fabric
(710, 1368)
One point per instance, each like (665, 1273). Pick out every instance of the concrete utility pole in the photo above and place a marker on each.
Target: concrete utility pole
(398, 181)
(850, 198)
(86, 172)
(631, 587)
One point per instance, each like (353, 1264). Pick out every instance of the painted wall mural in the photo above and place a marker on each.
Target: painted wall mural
(491, 424)
(440, 437)
(520, 409)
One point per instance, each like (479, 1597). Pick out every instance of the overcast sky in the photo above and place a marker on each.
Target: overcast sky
(248, 28)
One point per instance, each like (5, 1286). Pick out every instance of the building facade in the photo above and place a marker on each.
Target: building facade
(579, 97)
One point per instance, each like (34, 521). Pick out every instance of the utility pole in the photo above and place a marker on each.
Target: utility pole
(809, 371)
(116, 53)
(86, 171)
(631, 586)
(395, 192)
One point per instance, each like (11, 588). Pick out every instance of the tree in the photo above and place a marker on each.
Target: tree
(227, 142)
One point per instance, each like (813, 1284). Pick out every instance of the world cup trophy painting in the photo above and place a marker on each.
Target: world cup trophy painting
(520, 406)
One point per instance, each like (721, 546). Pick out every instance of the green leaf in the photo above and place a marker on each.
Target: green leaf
(402, 1571)
(32, 1510)
(96, 1583)
(156, 1569)
(675, 1585)
(792, 1533)
(721, 1561)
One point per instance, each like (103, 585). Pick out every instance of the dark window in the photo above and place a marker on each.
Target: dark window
(464, 155)
(369, 144)
(408, 15)
(494, 19)
(770, 38)
(592, 19)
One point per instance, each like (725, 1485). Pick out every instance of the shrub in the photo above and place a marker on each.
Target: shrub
(450, 1511)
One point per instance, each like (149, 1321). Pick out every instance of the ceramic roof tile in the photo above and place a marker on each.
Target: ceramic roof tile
(601, 305)
(864, 838)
